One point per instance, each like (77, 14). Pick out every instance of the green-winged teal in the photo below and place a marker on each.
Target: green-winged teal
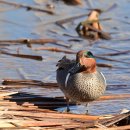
(80, 80)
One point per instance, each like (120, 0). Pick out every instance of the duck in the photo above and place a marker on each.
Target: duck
(80, 80)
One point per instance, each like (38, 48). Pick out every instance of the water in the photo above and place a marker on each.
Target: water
(16, 23)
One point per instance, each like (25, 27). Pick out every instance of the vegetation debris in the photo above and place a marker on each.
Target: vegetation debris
(91, 28)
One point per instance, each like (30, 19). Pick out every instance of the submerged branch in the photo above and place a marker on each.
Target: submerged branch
(27, 7)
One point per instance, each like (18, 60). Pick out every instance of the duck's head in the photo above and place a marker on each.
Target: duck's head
(85, 62)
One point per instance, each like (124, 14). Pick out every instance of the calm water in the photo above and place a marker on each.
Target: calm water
(16, 23)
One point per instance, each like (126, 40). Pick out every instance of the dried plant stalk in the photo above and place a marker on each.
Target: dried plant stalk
(27, 7)
(29, 42)
(55, 50)
(91, 28)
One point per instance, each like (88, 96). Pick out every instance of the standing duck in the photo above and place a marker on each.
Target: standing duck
(80, 80)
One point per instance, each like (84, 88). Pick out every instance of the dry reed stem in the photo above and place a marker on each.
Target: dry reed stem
(7, 94)
(91, 28)
(28, 42)
(127, 127)
(50, 115)
(55, 50)
(94, 15)
(114, 97)
(26, 7)
(33, 57)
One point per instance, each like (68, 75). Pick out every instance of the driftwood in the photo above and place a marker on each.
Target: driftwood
(21, 111)
(26, 7)
(15, 83)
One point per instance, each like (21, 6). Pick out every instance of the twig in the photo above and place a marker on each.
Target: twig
(116, 53)
(99, 125)
(104, 65)
(7, 94)
(120, 85)
(51, 115)
(11, 22)
(22, 108)
(33, 41)
(27, 7)
(63, 21)
(114, 97)
(28, 82)
(108, 48)
(22, 73)
(55, 50)
(102, 34)
(127, 127)
(115, 119)
(22, 55)
(109, 59)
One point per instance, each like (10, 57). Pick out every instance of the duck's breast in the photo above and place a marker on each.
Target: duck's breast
(86, 87)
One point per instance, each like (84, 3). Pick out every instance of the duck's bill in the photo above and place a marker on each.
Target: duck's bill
(76, 68)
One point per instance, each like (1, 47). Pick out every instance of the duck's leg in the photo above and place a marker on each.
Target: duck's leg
(68, 107)
(86, 105)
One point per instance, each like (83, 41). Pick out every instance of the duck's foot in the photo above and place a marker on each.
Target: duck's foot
(67, 110)
(86, 112)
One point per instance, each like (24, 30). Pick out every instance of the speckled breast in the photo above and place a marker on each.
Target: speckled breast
(83, 87)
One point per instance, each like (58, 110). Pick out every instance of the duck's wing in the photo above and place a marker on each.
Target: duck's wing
(65, 63)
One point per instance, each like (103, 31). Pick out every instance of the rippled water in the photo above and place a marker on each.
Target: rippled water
(16, 23)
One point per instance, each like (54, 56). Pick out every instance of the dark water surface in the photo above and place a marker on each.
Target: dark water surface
(17, 23)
